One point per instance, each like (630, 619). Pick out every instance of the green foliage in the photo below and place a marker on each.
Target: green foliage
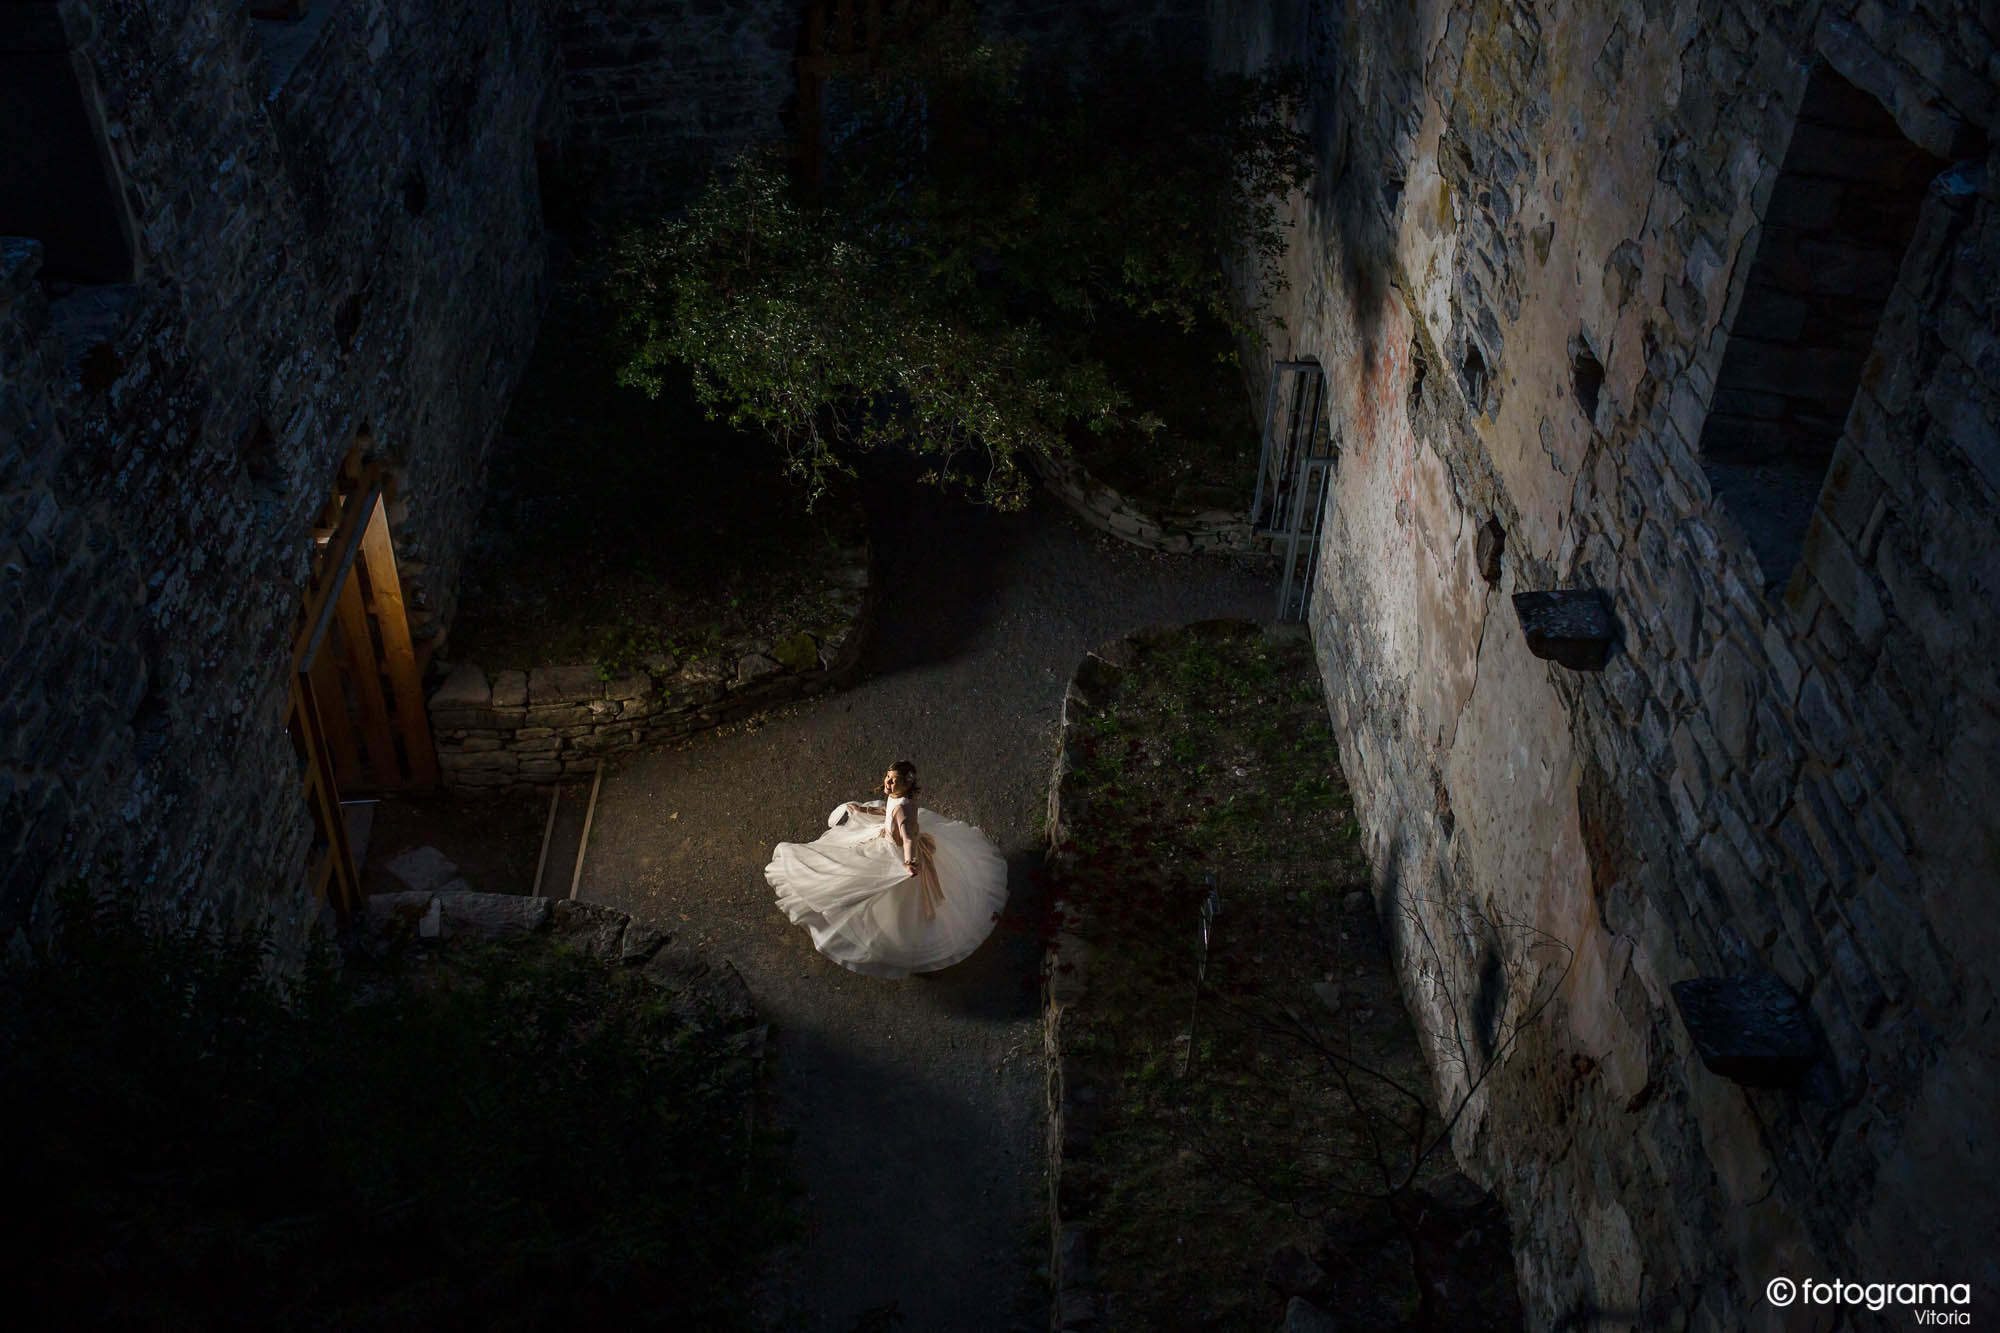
(941, 286)
(529, 1140)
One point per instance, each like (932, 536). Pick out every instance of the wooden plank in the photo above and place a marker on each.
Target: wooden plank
(548, 832)
(399, 654)
(583, 843)
(335, 559)
(323, 799)
(336, 734)
(364, 677)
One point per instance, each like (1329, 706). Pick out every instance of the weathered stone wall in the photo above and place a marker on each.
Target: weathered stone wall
(336, 231)
(1522, 265)
(657, 91)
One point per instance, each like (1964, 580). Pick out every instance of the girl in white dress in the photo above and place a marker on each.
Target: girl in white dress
(891, 889)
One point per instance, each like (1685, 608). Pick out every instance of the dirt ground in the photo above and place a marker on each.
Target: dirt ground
(916, 1107)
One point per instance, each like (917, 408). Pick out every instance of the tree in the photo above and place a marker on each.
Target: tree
(981, 222)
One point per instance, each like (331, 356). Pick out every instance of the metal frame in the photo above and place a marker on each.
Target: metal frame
(1315, 479)
(1297, 469)
(1293, 437)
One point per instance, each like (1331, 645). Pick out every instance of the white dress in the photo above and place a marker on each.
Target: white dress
(850, 889)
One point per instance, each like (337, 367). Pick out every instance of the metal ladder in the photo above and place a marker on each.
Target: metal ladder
(1294, 470)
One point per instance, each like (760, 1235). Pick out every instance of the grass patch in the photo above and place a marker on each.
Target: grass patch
(524, 1138)
(1240, 1159)
(619, 526)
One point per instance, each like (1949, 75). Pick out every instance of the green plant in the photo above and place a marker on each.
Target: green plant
(520, 1139)
(939, 288)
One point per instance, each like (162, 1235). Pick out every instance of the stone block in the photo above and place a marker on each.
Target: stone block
(754, 667)
(383, 911)
(563, 685)
(635, 685)
(510, 689)
(476, 719)
(558, 716)
(1572, 628)
(464, 688)
(1750, 1029)
(598, 930)
(423, 869)
(491, 916)
(698, 674)
(796, 652)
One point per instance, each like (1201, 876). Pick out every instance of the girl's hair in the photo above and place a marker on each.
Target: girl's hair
(908, 771)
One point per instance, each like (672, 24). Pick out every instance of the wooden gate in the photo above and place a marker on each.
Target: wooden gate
(357, 708)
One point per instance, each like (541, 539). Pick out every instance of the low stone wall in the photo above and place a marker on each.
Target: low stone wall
(1175, 531)
(1073, 1091)
(701, 990)
(556, 722)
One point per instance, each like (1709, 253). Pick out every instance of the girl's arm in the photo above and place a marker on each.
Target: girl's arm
(904, 825)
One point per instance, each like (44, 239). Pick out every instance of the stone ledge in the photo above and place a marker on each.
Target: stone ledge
(702, 991)
(543, 725)
(1074, 1302)
(1208, 531)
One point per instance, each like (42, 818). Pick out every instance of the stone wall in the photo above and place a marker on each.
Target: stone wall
(335, 231)
(1534, 238)
(557, 722)
(657, 91)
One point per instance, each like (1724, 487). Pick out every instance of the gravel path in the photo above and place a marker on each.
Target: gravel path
(916, 1106)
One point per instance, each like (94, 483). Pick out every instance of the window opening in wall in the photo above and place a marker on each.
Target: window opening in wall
(1472, 375)
(1587, 373)
(56, 180)
(1833, 236)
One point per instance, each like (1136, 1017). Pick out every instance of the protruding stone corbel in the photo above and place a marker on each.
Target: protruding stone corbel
(1572, 628)
(1751, 1029)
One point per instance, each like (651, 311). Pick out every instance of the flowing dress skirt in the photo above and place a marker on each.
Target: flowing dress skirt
(848, 888)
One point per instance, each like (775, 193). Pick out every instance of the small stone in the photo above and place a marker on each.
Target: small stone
(1355, 901)
(1329, 995)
